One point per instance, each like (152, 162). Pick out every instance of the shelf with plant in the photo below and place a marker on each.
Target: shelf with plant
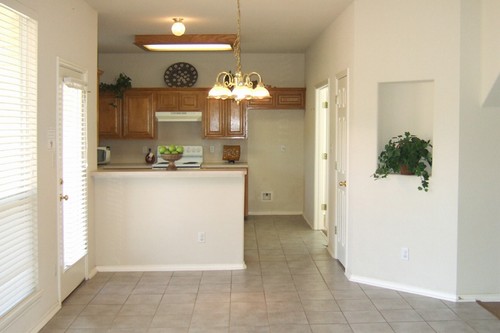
(407, 155)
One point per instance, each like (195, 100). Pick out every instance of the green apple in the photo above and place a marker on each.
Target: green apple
(171, 148)
(180, 149)
(162, 150)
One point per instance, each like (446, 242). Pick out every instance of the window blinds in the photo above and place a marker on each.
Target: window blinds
(18, 158)
(74, 173)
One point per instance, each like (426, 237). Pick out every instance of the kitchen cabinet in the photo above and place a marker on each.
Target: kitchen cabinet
(281, 98)
(224, 119)
(110, 116)
(138, 115)
(129, 118)
(180, 99)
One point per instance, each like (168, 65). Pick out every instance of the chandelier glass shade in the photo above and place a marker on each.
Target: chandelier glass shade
(238, 86)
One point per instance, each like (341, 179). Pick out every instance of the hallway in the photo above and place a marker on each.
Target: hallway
(291, 285)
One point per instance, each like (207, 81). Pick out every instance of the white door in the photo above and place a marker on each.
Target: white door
(341, 105)
(322, 137)
(72, 172)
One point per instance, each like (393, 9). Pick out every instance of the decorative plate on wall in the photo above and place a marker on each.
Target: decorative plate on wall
(180, 75)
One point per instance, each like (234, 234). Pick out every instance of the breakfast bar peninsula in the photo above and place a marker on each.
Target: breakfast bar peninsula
(154, 220)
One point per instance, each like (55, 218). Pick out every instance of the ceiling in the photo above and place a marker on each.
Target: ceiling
(267, 26)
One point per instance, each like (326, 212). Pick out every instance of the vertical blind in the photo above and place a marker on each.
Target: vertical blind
(18, 158)
(73, 131)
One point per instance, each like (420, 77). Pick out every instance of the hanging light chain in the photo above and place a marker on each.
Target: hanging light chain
(237, 45)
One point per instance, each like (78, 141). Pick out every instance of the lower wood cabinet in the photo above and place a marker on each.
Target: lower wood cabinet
(224, 119)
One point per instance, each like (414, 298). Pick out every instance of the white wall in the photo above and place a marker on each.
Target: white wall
(147, 69)
(405, 41)
(331, 53)
(479, 212)
(451, 230)
(67, 29)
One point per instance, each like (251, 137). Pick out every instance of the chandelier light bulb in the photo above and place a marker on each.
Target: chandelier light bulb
(178, 27)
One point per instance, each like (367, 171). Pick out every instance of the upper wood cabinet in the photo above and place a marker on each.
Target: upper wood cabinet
(138, 115)
(191, 99)
(224, 119)
(110, 116)
(281, 98)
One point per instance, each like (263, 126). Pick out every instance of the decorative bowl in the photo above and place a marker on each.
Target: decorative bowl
(171, 158)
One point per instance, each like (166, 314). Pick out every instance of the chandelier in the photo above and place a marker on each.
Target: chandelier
(238, 86)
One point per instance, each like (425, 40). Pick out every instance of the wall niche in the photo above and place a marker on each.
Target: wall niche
(406, 106)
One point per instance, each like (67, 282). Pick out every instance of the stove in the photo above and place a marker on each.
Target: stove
(191, 159)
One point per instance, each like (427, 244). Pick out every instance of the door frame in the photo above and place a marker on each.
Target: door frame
(322, 136)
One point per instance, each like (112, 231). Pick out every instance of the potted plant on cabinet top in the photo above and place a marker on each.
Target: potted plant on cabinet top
(123, 82)
(407, 155)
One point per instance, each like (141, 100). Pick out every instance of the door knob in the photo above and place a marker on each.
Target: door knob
(63, 197)
(343, 183)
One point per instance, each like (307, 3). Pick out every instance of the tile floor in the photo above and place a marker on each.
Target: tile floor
(291, 285)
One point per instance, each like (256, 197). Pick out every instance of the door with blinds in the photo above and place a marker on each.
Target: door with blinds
(72, 176)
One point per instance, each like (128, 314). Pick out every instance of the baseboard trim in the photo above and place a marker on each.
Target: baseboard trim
(48, 316)
(480, 297)
(170, 268)
(404, 288)
(277, 213)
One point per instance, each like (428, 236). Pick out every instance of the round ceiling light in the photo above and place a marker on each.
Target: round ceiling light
(178, 27)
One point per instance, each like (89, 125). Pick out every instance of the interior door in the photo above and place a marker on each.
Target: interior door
(72, 171)
(341, 167)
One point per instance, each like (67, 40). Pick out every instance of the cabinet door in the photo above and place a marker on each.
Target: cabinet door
(166, 101)
(235, 120)
(290, 99)
(191, 101)
(213, 120)
(138, 115)
(110, 116)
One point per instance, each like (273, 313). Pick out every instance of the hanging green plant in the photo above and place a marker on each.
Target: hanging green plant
(406, 154)
(123, 82)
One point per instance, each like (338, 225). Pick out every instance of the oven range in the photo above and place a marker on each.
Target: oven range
(192, 158)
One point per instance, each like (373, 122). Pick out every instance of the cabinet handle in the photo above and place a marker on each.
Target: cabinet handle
(63, 197)
(343, 183)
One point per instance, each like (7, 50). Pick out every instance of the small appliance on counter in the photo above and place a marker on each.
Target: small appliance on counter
(231, 153)
(103, 155)
(192, 158)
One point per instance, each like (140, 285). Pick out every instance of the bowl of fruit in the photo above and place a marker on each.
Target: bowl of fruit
(171, 153)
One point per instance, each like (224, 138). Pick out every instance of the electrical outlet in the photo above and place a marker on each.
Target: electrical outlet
(267, 196)
(201, 237)
(145, 149)
(212, 149)
(405, 254)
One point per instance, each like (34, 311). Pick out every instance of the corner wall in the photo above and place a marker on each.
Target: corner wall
(66, 29)
(400, 41)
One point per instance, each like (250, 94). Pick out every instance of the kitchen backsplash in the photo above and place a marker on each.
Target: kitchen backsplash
(188, 134)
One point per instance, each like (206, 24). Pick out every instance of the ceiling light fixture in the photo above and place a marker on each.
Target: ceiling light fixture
(178, 27)
(240, 83)
(185, 42)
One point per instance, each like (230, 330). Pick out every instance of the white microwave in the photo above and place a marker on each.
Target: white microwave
(103, 155)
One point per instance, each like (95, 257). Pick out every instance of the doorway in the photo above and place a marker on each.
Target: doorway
(323, 142)
(72, 176)
(341, 165)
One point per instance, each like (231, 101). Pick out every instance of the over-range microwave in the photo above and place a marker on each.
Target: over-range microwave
(103, 155)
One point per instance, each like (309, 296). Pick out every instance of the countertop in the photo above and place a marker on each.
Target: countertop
(144, 166)
(223, 164)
